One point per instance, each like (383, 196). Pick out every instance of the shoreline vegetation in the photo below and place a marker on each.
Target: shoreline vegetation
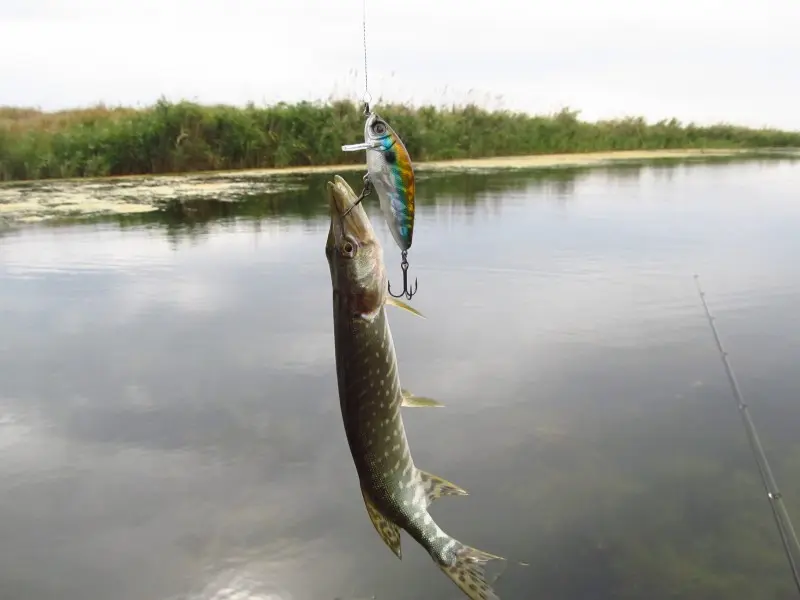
(185, 137)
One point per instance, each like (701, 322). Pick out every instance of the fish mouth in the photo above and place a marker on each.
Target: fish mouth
(348, 219)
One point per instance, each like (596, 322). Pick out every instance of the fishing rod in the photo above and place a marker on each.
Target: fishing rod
(791, 546)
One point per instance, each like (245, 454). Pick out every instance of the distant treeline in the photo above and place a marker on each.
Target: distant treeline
(180, 137)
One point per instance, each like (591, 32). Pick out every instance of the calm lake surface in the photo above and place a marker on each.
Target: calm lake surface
(169, 418)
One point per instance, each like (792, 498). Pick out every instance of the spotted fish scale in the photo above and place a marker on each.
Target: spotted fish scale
(396, 493)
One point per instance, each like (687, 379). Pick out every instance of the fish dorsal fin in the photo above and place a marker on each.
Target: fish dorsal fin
(400, 304)
(389, 532)
(436, 487)
(410, 399)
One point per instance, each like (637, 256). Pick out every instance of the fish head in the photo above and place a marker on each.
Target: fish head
(354, 253)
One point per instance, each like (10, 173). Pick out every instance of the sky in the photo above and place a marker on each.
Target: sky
(697, 60)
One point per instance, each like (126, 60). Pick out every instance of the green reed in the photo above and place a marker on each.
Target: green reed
(184, 136)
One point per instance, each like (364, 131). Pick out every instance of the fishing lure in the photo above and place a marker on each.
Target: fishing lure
(391, 174)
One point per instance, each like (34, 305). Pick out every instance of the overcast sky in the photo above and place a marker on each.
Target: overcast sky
(702, 60)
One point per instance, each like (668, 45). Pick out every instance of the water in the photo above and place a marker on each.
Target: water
(170, 429)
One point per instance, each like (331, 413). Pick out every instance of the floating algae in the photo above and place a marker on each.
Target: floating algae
(39, 201)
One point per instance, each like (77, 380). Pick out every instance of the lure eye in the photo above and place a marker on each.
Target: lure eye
(379, 128)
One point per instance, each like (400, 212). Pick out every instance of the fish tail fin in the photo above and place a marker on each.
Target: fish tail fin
(468, 572)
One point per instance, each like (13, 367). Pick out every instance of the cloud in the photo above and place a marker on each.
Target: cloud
(698, 60)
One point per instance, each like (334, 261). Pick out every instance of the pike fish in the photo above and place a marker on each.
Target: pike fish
(390, 172)
(396, 493)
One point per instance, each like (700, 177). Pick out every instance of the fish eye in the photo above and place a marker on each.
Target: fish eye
(349, 248)
(379, 127)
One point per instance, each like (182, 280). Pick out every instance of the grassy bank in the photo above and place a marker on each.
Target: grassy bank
(182, 137)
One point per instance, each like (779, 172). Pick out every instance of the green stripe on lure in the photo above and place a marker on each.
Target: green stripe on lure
(391, 174)
(396, 493)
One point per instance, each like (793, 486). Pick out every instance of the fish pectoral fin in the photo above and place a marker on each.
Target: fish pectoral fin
(400, 304)
(410, 399)
(389, 532)
(436, 487)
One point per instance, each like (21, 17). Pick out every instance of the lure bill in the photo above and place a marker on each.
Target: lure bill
(396, 493)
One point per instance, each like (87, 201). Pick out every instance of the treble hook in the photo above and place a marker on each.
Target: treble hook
(364, 193)
(404, 265)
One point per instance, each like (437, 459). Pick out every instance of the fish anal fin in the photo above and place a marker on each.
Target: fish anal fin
(410, 399)
(389, 532)
(400, 304)
(436, 487)
(469, 573)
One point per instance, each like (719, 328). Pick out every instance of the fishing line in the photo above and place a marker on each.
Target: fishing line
(367, 97)
(791, 546)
